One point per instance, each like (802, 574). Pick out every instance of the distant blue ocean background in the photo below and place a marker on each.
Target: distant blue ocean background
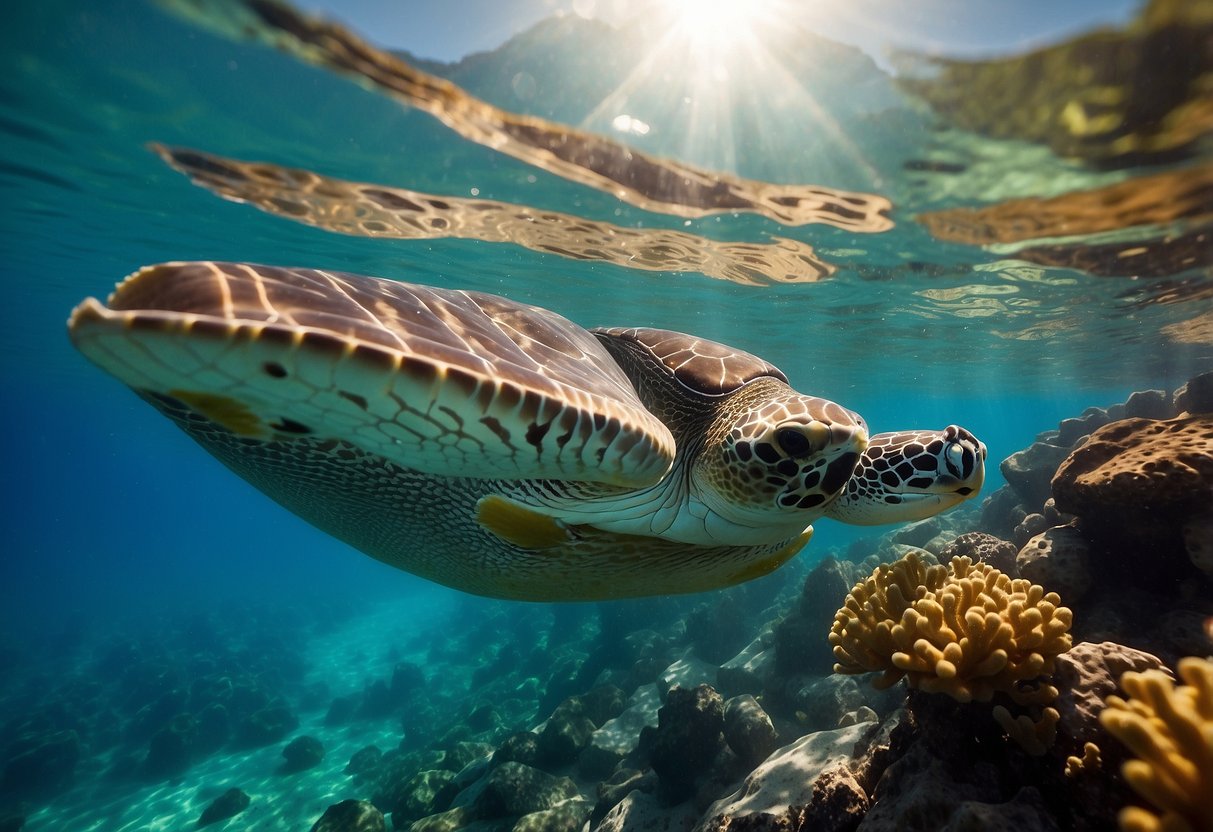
(113, 522)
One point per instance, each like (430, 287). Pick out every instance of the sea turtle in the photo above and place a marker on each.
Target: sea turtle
(499, 448)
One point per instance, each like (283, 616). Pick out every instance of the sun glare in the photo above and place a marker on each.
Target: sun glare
(714, 23)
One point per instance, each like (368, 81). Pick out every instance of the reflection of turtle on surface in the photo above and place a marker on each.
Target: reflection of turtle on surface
(499, 448)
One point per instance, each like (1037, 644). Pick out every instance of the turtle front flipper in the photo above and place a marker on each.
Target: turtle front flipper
(435, 380)
(911, 475)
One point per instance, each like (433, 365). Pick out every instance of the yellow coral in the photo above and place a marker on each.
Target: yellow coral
(1170, 730)
(966, 630)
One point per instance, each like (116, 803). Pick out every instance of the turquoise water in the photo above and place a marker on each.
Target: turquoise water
(116, 524)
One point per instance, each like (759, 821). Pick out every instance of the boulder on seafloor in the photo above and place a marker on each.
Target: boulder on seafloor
(1135, 482)
(568, 816)
(567, 732)
(687, 738)
(302, 753)
(229, 804)
(749, 670)
(364, 761)
(774, 795)
(1059, 559)
(982, 548)
(1196, 396)
(640, 811)
(687, 673)
(350, 816)
(519, 747)
(414, 796)
(748, 730)
(617, 738)
(1028, 472)
(821, 702)
(512, 790)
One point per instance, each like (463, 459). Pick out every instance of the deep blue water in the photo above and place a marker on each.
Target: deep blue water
(112, 517)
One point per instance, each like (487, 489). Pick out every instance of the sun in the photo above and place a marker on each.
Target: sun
(715, 24)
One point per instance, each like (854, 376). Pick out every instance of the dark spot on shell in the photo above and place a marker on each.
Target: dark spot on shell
(353, 397)
(290, 426)
(273, 368)
(536, 432)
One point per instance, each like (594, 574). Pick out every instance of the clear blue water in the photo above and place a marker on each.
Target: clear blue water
(112, 517)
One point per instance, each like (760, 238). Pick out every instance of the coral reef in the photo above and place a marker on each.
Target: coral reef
(966, 630)
(1169, 729)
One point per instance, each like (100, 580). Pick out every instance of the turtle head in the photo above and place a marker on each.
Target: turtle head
(912, 475)
(778, 458)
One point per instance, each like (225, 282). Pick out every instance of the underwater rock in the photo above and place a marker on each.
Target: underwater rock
(1085, 677)
(512, 789)
(377, 701)
(229, 804)
(1196, 396)
(1149, 404)
(11, 821)
(688, 672)
(603, 703)
(1136, 481)
(748, 730)
(364, 761)
(170, 750)
(568, 730)
(982, 548)
(687, 738)
(569, 816)
(482, 718)
(266, 726)
(749, 670)
(640, 811)
(916, 534)
(302, 753)
(774, 794)
(350, 816)
(1059, 559)
(823, 701)
(342, 710)
(1030, 526)
(520, 747)
(40, 766)
(1001, 512)
(1028, 472)
(618, 737)
(413, 797)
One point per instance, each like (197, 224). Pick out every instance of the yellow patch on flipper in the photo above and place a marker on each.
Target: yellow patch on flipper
(515, 523)
(773, 561)
(224, 411)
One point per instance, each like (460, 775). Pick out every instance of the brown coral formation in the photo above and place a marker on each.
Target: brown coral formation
(368, 210)
(1152, 470)
(966, 630)
(648, 182)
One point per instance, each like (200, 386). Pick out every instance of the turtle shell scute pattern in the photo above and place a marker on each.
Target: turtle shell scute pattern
(701, 366)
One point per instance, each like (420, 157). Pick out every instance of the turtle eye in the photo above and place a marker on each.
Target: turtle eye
(793, 442)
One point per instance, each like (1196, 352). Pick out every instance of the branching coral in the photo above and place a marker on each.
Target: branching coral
(1170, 730)
(966, 630)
